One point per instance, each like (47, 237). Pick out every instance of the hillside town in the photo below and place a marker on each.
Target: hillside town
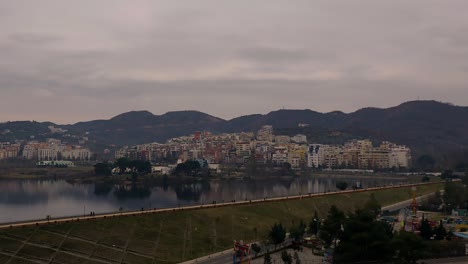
(232, 148)
(267, 148)
(51, 149)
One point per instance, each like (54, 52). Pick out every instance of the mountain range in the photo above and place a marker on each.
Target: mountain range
(428, 127)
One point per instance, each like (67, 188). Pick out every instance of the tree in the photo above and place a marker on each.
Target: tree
(425, 179)
(267, 259)
(102, 169)
(341, 185)
(286, 257)
(141, 166)
(440, 232)
(408, 247)
(314, 224)
(425, 229)
(277, 234)
(189, 168)
(122, 164)
(332, 225)
(297, 232)
(363, 238)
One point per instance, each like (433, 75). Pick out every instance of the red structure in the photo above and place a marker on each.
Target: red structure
(241, 253)
(414, 204)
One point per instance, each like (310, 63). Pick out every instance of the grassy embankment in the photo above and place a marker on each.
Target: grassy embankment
(174, 236)
(45, 173)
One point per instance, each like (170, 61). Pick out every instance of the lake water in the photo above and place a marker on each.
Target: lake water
(22, 200)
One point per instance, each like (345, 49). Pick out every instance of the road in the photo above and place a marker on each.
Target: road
(400, 205)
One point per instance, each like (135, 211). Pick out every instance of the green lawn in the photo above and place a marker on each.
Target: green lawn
(173, 237)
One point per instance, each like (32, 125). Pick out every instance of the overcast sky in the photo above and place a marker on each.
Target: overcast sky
(69, 61)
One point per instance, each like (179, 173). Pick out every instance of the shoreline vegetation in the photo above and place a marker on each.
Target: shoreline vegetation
(86, 174)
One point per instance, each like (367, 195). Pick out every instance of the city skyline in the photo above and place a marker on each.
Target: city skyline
(71, 62)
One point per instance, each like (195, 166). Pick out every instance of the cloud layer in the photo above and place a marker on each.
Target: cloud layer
(69, 61)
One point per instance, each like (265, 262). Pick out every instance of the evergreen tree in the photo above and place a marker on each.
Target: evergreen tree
(332, 225)
(425, 229)
(103, 169)
(297, 232)
(314, 224)
(277, 234)
(363, 238)
(440, 232)
(408, 247)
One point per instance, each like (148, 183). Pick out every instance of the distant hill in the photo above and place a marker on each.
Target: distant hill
(431, 127)
(428, 127)
(143, 127)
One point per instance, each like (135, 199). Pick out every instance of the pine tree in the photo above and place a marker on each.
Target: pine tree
(425, 229)
(440, 232)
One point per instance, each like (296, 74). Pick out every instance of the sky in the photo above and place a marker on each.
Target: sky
(70, 61)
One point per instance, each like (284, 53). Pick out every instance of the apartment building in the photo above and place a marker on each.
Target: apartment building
(265, 134)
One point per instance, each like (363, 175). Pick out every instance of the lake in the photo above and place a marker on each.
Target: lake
(22, 200)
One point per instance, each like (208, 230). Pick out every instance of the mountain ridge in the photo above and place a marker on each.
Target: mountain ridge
(426, 126)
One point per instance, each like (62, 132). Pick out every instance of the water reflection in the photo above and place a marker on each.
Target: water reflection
(123, 192)
(191, 192)
(34, 199)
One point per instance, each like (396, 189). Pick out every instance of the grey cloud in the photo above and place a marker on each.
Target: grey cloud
(275, 55)
(32, 39)
(228, 57)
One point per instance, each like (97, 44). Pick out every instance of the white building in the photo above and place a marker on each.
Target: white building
(49, 153)
(315, 155)
(279, 156)
(300, 139)
(399, 157)
(76, 154)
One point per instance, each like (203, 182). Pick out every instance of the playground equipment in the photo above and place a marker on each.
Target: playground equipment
(241, 253)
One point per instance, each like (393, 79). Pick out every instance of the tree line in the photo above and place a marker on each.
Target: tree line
(360, 236)
(124, 165)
